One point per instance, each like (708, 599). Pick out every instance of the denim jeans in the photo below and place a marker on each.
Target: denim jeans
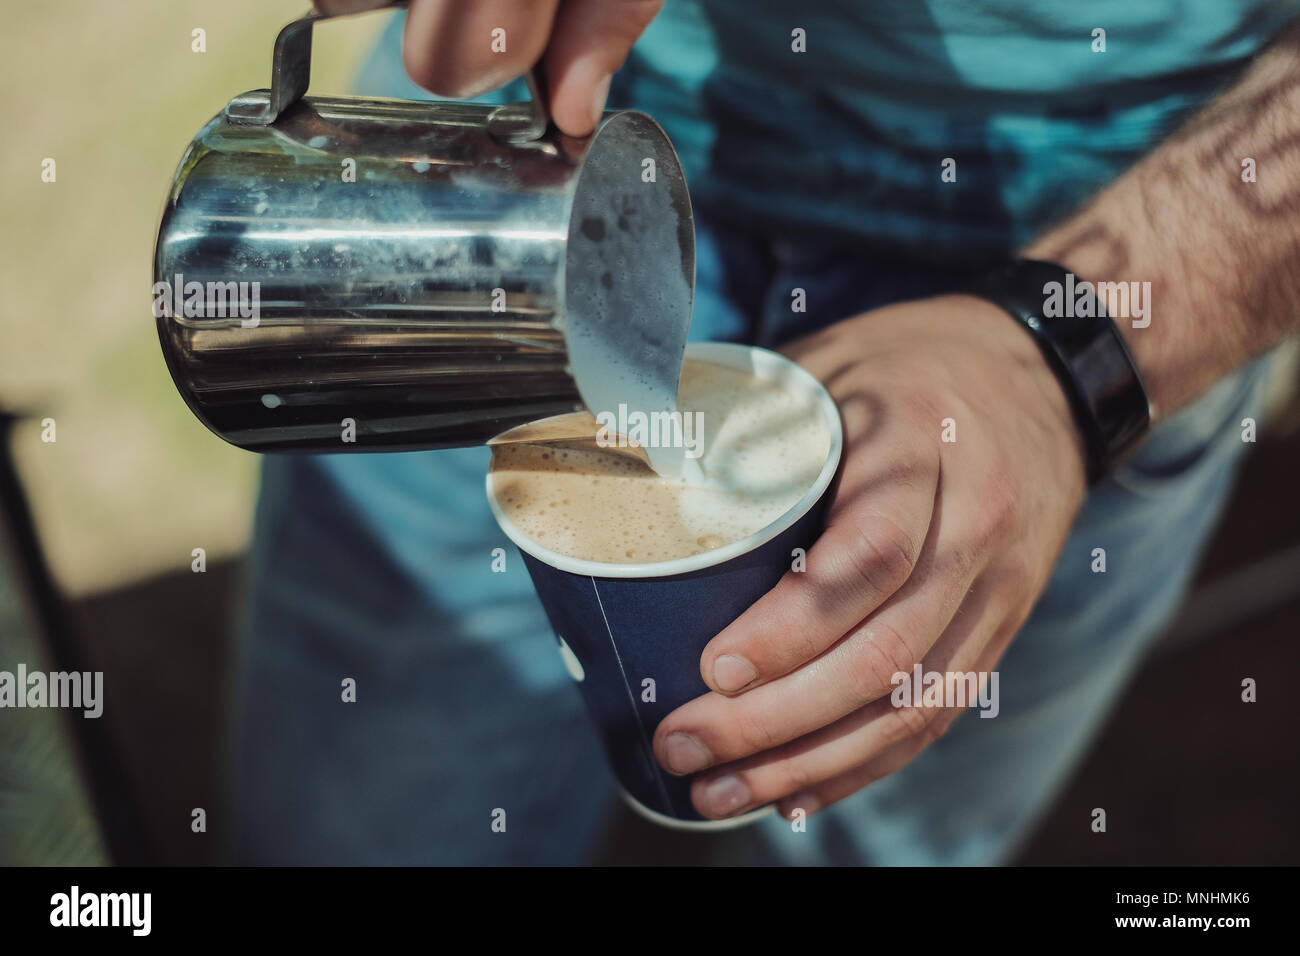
(378, 568)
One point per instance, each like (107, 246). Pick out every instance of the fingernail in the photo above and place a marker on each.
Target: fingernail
(732, 673)
(598, 97)
(806, 802)
(725, 795)
(685, 754)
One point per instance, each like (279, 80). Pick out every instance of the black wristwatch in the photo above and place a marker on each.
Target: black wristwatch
(1088, 355)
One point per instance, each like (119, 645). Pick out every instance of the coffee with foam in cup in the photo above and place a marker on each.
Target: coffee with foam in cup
(763, 448)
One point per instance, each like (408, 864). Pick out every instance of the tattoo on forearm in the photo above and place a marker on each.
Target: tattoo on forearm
(1230, 124)
(1091, 236)
(1236, 122)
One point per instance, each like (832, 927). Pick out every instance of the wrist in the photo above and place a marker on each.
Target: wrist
(1021, 365)
(1084, 351)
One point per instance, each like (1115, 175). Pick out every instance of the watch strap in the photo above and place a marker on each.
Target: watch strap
(1087, 354)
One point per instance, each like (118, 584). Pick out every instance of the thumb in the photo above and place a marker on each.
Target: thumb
(590, 40)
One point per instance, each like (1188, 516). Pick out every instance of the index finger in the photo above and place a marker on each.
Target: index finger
(340, 8)
(458, 49)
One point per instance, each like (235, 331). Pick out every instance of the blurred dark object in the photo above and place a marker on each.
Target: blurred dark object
(54, 764)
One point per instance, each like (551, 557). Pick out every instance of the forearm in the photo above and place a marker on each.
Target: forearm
(1221, 252)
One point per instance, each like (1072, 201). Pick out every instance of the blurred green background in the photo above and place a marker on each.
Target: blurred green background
(113, 92)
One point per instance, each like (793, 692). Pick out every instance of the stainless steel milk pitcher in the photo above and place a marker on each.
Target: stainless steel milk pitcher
(353, 274)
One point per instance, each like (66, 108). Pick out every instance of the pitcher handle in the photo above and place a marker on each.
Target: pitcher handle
(291, 75)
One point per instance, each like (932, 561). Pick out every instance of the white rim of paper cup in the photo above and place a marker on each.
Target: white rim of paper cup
(697, 826)
(767, 366)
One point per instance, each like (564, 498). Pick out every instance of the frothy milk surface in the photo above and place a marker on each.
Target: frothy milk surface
(763, 448)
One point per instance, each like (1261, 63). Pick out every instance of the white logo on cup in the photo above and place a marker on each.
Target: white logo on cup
(571, 662)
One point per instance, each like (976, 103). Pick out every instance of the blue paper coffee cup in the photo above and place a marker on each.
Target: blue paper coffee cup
(631, 634)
